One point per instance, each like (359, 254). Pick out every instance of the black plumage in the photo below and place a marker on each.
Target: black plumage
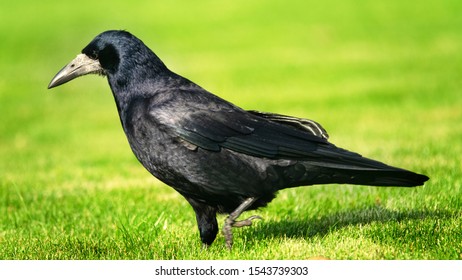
(221, 158)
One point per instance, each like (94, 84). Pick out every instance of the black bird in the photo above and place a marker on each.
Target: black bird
(221, 158)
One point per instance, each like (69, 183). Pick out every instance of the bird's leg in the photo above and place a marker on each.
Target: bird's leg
(231, 222)
(206, 221)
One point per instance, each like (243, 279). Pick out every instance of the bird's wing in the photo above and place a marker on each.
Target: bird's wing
(215, 125)
(206, 121)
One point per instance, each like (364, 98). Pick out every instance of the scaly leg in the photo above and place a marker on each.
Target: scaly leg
(231, 222)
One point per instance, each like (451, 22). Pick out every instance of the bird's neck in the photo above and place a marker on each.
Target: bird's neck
(127, 89)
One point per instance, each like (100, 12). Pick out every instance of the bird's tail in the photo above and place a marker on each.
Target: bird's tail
(344, 167)
(390, 176)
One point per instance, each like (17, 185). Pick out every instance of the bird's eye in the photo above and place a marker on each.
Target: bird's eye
(91, 54)
(94, 55)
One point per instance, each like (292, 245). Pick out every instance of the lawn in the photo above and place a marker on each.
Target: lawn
(384, 78)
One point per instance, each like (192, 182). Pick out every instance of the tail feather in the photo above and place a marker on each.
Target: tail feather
(343, 166)
(339, 166)
(387, 177)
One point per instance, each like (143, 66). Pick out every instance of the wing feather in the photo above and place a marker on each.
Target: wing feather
(221, 125)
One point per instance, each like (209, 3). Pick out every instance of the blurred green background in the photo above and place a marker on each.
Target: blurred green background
(383, 77)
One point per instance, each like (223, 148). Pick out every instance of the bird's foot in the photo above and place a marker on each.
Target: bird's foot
(231, 222)
(247, 222)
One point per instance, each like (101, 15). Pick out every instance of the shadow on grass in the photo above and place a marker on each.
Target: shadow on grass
(324, 225)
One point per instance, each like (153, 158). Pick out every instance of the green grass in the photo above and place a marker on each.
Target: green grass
(384, 78)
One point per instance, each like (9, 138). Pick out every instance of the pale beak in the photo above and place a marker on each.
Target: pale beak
(80, 66)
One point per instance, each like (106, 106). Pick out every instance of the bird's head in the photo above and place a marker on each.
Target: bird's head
(106, 54)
